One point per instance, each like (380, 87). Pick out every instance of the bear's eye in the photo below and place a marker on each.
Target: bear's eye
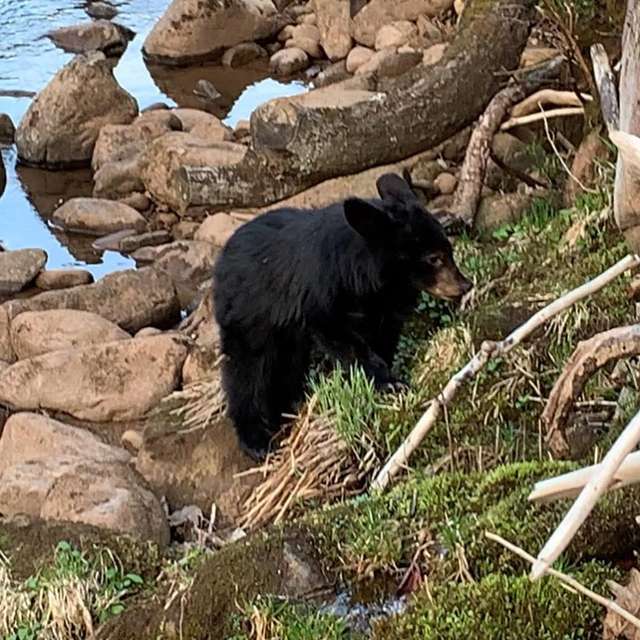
(434, 261)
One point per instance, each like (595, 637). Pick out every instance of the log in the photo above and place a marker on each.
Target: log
(298, 142)
(589, 356)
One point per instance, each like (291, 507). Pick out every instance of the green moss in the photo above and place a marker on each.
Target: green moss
(505, 607)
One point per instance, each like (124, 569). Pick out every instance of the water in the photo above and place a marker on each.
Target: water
(28, 62)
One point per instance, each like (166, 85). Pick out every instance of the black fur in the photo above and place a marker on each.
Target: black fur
(344, 277)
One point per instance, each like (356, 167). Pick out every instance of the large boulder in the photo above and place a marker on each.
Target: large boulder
(334, 23)
(167, 155)
(217, 229)
(54, 471)
(36, 332)
(62, 123)
(195, 31)
(97, 217)
(19, 268)
(377, 13)
(132, 299)
(62, 278)
(99, 35)
(116, 381)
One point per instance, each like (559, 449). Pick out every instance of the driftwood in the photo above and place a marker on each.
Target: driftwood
(589, 356)
(544, 97)
(298, 142)
(562, 112)
(568, 580)
(487, 351)
(570, 484)
(589, 496)
(626, 120)
(474, 167)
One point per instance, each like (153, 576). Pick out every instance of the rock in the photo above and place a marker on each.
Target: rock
(188, 263)
(6, 348)
(502, 208)
(124, 142)
(116, 381)
(61, 126)
(203, 126)
(289, 61)
(137, 201)
(309, 46)
(357, 57)
(101, 11)
(193, 31)
(112, 241)
(149, 239)
(536, 55)
(155, 106)
(389, 63)
(146, 332)
(131, 440)
(99, 35)
(446, 183)
(62, 279)
(242, 129)
(585, 165)
(115, 180)
(132, 299)
(512, 152)
(185, 230)
(433, 54)
(377, 13)
(242, 54)
(19, 268)
(166, 155)
(7, 131)
(197, 468)
(217, 229)
(429, 34)
(307, 38)
(53, 471)
(97, 217)
(36, 332)
(33, 437)
(395, 34)
(335, 72)
(334, 23)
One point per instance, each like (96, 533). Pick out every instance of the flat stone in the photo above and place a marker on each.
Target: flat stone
(19, 268)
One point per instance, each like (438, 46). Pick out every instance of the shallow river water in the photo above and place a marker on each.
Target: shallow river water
(27, 63)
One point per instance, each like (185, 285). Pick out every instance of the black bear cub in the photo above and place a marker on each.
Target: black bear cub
(343, 278)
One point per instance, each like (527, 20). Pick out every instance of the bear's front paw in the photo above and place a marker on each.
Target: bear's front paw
(394, 386)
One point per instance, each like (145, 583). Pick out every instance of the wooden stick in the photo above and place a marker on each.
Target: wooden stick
(474, 167)
(582, 507)
(487, 350)
(572, 582)
(534, 102)
(535, 117)
(570, 484)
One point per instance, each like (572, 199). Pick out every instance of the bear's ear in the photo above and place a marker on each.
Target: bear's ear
(371, 222)
(392, 187)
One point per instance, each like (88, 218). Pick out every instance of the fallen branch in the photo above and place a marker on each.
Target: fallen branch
(590, 356)
(570, 484)
(568, 580)
(589, 496)
(474, 167)
(542, 115)
(544, 97)
(488, 350)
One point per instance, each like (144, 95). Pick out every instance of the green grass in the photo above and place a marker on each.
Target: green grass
(66, 598)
